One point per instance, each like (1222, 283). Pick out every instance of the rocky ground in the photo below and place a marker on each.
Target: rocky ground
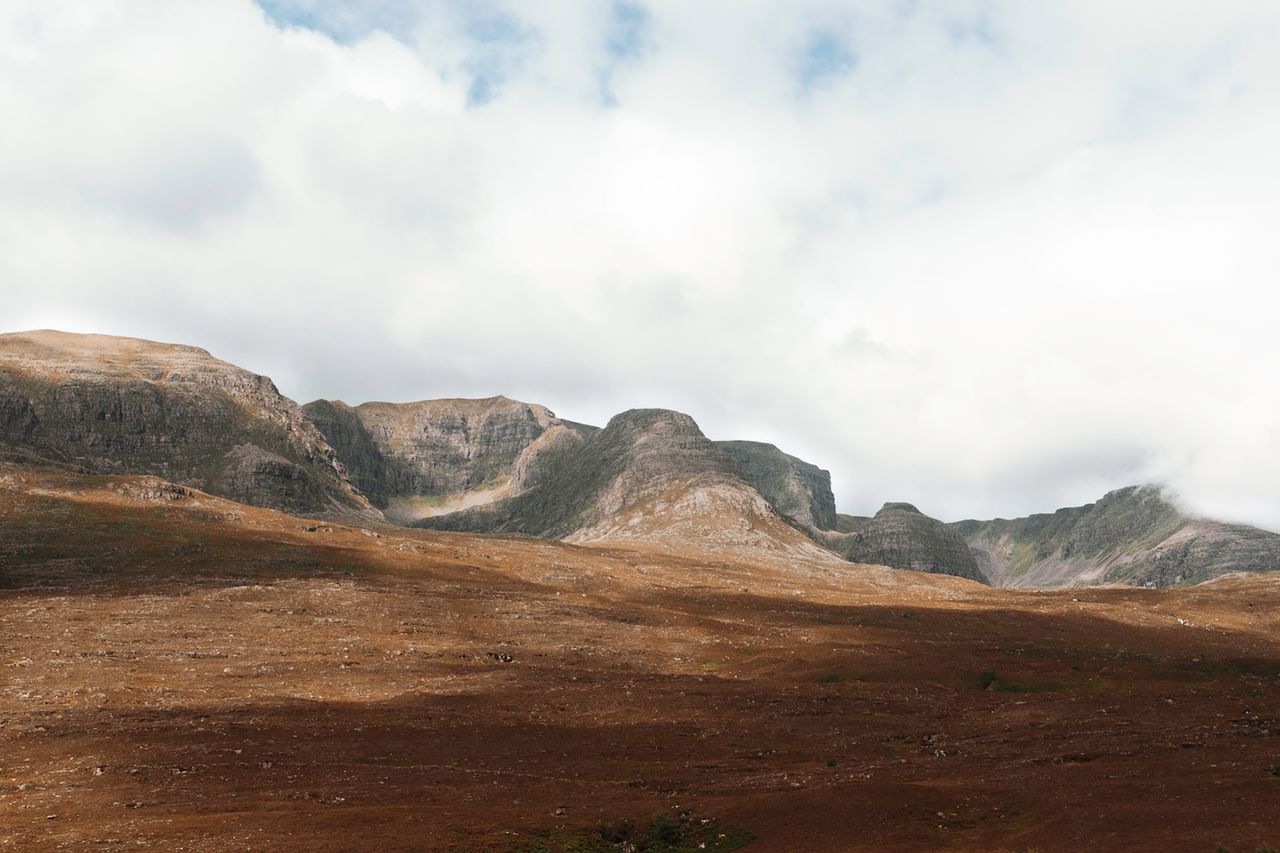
(186, 673)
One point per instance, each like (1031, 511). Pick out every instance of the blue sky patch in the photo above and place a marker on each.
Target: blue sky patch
(344, 21)
(825, 56)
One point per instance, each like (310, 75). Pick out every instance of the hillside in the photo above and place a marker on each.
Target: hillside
(1135, 535)
(123, 405)
(190, 673)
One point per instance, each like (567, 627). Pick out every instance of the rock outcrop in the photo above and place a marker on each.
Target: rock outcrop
(1135, 535)
(122, 405)
(797, 489)
(902, 537)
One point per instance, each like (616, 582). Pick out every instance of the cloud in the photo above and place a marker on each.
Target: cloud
(990, 257)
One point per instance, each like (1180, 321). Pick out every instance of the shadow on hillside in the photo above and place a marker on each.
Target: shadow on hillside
(907, 740)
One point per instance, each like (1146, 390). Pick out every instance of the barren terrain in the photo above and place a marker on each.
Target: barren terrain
(181, 672)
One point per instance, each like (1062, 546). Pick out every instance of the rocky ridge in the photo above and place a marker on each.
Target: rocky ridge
(102, 404)
(122, 405)
(1135, 535)
(649, 474)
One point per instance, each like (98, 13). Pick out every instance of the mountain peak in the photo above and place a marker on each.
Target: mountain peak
(654, 420)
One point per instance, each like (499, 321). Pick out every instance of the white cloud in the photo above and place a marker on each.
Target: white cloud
(997, 258)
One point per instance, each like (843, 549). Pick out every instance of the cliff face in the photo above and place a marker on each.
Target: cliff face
(426, 458)
(1134, 535)
(649, 475)
(902, 537)
(121, 405)
(452, 446)
(578, 485)
(796, 488)
(356, 448)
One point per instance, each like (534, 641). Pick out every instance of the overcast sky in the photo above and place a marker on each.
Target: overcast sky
(989, 257)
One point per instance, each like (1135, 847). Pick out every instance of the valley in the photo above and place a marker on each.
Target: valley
(185, 672)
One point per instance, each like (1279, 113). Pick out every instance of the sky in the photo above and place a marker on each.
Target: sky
(989, 257)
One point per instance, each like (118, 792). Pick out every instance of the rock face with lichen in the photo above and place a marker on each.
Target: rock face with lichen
(121, 405)
(1135, 535)
(902, 537)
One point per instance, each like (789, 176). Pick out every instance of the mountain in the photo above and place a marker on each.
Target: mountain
(649, 475)
(795, 488)
(122, 405)
(431, 457)
(899, 536)
(114, 405)
(902, 537)
(1135, 535)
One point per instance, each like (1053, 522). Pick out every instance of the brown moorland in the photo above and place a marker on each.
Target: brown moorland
(182, 672)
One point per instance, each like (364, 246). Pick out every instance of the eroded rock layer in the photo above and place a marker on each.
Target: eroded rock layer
(1134, 535)
(123, 405)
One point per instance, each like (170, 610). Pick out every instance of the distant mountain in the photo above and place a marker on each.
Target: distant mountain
(1135, 535)
(122, 405)
(427, 458)
(649, 475)
(902, 537)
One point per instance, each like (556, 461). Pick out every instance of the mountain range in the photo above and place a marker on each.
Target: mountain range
(105, 404)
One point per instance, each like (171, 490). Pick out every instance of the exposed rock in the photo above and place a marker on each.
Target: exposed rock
(796, 488)
(454, 446)
(902, 537)
(434, 456)
(649, 475)
(122, 405)
(638, 453)
(1134, 535)
(359, 454)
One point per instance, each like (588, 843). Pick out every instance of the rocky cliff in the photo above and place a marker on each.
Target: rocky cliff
(1135, 535)
(637, 453)
(362, 457)
(795, 488)
(426, 458)
(649, 475)
(122, 405)
(902, 537)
